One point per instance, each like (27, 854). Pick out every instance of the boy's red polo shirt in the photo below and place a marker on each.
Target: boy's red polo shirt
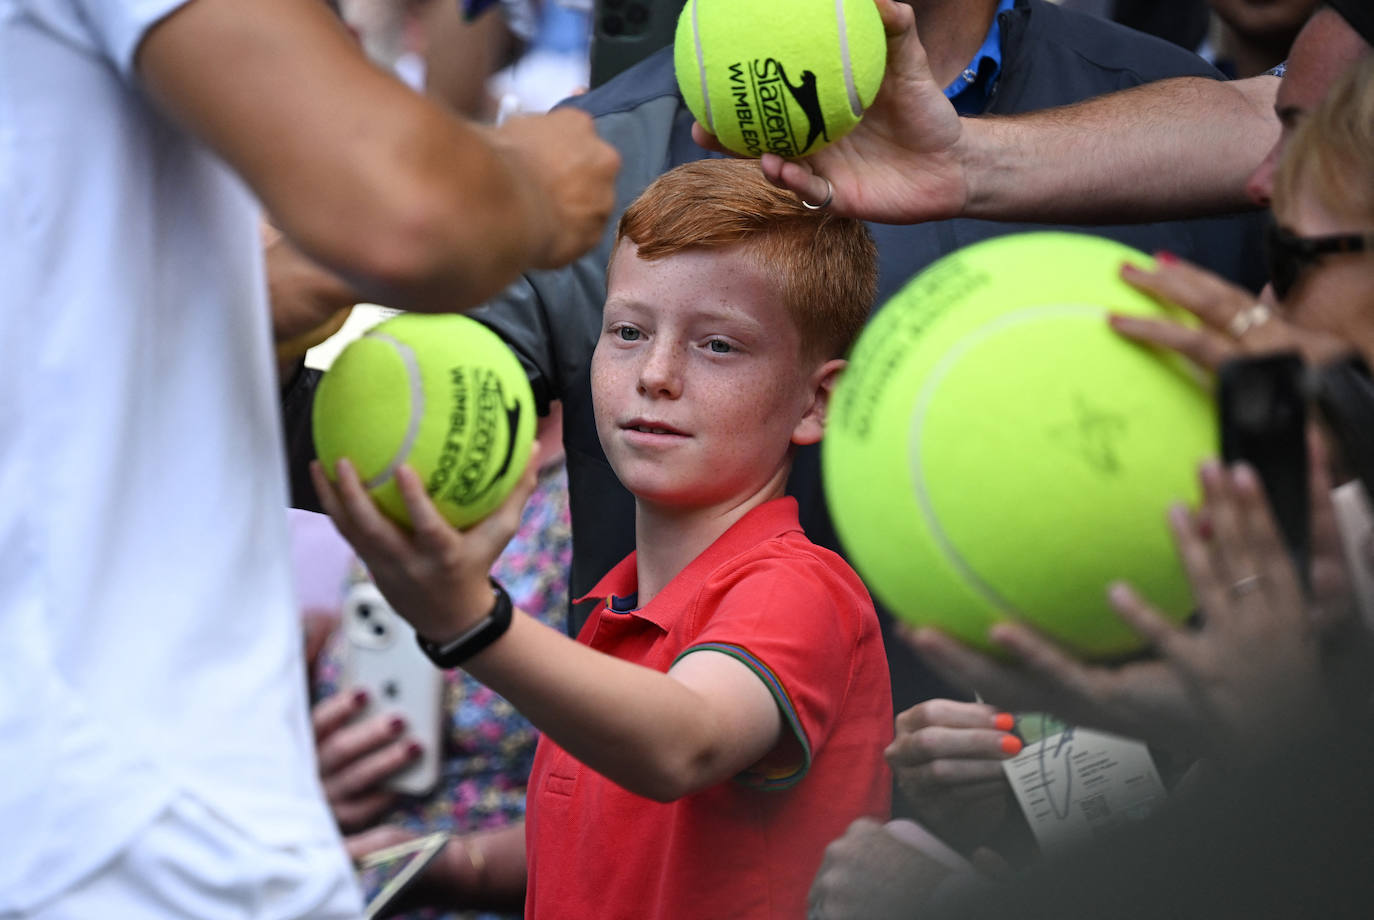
(748, 848)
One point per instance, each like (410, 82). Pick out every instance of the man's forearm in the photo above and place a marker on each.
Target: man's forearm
(1176, 148)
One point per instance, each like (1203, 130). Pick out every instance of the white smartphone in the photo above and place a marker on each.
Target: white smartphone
(382, 657)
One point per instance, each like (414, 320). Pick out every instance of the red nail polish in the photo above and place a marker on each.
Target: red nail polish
(396, 725)
(1004, 722)
(1165, 257)
(413, 750)
(359, 697)
(1011, 745)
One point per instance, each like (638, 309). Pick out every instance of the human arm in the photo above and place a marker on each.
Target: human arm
(1169, 149)
(658, 735)
(947, 758)
(300, 292)
(1249, 677)
(412, 206)
(480, 871)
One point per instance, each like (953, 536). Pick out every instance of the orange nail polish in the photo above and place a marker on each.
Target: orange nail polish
(1004, 722)
(1011, 745)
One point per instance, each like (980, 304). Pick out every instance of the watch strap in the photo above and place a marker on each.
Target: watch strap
(484, 632)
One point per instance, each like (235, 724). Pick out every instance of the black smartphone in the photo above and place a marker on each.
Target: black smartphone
(1263, 406)
(1345, 395)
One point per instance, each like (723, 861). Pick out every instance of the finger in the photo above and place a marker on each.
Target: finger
(1147, 622)
(801, 180)
(1265, 544)
(974, 671)
(707, 140)
(1063, 681)
(940, 775)
(358, 739)
(357, 813)
(429, 528)
(991, 864)
(1330, 577)
(1229, 547)
(374, 839)
(1203, 347)
(366, 774)
(939, 743)
(1209, 297)
(951, 713)
(331, 713)
(329, 497)
(1198, 554)
(367, 528)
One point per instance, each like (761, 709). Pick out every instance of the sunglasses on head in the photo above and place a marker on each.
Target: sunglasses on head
(1289, 254)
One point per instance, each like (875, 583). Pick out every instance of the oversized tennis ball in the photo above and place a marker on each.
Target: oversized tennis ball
(786, 78)
(442, 393)
(995, 451)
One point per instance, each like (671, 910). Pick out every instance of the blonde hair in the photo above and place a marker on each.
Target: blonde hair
(825, 267)
(1333, 149)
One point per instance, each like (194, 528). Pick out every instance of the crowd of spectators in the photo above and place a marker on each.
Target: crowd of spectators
(729, 726)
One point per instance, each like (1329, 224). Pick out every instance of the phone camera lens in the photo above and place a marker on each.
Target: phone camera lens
(364, 611)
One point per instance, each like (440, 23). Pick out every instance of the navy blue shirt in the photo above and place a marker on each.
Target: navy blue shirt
(971, 90)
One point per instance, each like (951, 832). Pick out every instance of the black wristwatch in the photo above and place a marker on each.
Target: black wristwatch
(484, 632)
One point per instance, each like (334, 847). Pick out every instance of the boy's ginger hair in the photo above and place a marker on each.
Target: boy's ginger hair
(825, 266)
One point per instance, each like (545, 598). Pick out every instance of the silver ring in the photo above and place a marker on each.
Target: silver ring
(829, 197)
(1257, 315)
(1243, 586)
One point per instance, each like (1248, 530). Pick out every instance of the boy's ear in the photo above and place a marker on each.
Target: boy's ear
(812, 423)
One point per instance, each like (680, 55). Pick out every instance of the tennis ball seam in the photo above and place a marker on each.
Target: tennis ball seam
(855, 106)
(926, 397)
(701, 70)
(417, 409)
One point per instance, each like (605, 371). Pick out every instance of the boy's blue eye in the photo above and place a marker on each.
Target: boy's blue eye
(628, 333)
(720, 347)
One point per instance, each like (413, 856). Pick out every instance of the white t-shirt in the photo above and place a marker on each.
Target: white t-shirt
(148, 642)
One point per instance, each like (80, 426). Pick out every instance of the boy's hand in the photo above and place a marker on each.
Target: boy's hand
(435, 576)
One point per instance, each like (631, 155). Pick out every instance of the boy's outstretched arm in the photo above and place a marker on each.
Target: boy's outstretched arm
(658, 735)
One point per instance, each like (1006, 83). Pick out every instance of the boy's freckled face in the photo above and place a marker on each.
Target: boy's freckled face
(697, 378)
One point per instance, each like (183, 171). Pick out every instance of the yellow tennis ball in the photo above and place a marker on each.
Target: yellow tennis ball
(996, 452)
(442, 393)
(785, 78)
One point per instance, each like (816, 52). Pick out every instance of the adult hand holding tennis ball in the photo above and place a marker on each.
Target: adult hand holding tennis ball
(902, 162)
(996, 452)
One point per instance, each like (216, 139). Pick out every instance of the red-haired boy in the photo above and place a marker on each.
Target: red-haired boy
(723, 713)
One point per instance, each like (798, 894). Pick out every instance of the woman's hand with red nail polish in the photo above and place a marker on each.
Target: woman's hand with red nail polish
(947, 759)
